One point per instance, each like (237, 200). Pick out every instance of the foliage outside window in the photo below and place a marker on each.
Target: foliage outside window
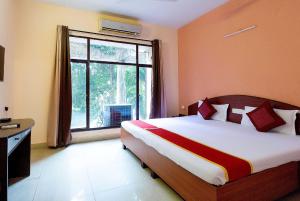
(111, 82)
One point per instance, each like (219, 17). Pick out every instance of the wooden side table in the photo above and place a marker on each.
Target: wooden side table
(180, 115)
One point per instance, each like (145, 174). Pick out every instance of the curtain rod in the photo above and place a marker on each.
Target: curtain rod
(87, 32)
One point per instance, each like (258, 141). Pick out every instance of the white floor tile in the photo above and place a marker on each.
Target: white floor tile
(23, 190)
(100, 171)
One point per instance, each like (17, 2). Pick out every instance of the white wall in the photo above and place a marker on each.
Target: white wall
(35, 50)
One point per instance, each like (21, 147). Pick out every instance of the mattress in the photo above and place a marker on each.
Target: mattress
(262, 150)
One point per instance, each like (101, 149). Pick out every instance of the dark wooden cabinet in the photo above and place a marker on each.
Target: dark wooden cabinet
(14, 154)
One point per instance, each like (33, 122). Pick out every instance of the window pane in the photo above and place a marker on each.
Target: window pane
(112, 94)
(78, 95)
(145, 92)
(78, 48)
(113, 52)
(145, 55)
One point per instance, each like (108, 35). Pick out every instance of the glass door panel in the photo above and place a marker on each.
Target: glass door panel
(145, 77)
(78, 71)
(112, 94)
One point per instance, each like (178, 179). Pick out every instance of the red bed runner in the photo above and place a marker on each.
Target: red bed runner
(234, 167)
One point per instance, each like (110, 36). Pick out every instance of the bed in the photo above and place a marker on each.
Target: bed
(276, 170)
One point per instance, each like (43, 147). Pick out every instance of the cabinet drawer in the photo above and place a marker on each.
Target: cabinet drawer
(14, 141)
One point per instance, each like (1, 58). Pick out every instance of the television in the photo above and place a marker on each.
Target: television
(2, 54)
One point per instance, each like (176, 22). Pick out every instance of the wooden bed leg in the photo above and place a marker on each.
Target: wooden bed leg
(143, 165)
(154, 175)
(124, 147)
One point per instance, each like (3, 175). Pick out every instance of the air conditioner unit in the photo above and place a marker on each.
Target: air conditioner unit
(116, 113)
(120, 27)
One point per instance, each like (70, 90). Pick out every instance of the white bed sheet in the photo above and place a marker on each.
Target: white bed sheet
(263, 150)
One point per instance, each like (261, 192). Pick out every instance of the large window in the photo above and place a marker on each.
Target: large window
(111, 82)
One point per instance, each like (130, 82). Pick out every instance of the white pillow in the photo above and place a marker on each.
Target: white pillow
(289, 116)
(221, 114)
(245, 119)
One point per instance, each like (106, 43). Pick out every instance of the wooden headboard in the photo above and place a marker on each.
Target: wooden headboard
(240, 101)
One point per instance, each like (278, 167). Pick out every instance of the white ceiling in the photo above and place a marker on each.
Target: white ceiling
(174, 13)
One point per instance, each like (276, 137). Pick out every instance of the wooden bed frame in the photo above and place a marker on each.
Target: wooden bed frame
(270, 184)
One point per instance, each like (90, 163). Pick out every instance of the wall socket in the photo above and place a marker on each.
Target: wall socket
(4, 112)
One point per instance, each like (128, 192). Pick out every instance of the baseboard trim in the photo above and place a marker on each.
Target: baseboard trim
(39, 146)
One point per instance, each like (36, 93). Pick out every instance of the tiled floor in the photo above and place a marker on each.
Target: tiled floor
(98, 171)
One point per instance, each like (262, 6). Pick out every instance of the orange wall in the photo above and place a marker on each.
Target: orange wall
(263, 62)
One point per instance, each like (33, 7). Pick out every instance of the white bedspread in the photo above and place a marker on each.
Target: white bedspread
(263, 150)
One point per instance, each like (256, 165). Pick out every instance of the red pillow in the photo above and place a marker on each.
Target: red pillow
(206, 110)
(264, 118)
